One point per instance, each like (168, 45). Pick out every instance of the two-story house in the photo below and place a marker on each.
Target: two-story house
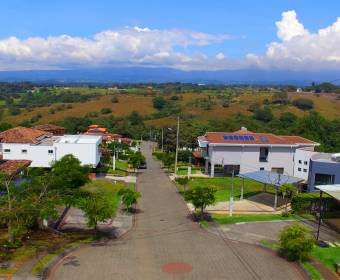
(245, 151)
(43, 148)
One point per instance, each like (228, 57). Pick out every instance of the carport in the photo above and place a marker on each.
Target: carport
(331, 190)
(269, 178)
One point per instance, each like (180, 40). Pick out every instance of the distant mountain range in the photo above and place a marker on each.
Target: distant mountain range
(162, 75)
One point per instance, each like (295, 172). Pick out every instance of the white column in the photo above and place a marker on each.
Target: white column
(275, 200)
(206, 169)
(212, 170)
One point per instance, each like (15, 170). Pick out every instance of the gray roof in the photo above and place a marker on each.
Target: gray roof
(270, 178)
(332, 190)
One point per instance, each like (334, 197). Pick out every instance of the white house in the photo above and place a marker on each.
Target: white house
(245, 151)
(42, 148)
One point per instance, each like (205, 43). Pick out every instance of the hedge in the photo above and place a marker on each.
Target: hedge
(309, 203)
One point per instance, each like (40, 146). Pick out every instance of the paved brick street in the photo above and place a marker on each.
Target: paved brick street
(166, 244)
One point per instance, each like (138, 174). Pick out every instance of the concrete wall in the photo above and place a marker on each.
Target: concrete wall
(37, 154)
(87, 153)
(248, 157)
(302, 162)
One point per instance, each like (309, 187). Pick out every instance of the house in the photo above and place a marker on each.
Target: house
(95, 129)
(246, 151)
(42, 148)
(51, 128)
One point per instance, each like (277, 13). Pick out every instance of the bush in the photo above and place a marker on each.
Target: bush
(159, 103)
(114, 99)
(129, 197)
(264, 115)
(303, 103)
(105, 111)
(309, 203)
(296, 242)
(201, 197)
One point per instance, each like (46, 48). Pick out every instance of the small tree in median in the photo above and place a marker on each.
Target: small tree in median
(129, 197)
(296, 242)
(97, 208)
(183, 181)
(201, 197)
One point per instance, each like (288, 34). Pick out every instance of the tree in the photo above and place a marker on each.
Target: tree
(129, 197)
(136, 159)
(201, 197)
(303, 103)
(159, 102)
(183, 181)
(296, 242)
(288, 118)
(264, 115)
(68, 175)
(97, 208)
(288, 191)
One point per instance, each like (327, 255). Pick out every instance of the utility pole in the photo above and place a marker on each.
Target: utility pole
(189, 167)
(177, 135)
(231, 200)
(162, 139)
(114, 161)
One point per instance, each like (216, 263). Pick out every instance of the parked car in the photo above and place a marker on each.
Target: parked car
(143, 165)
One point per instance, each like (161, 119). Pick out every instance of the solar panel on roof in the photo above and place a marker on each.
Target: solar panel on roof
(252, 138)
(231, 137)
(264, 139)
(236, 137)
(241, 137)
(246, 138)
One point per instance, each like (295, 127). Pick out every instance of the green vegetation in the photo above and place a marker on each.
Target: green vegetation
(312, 271)
(296, 242)
(201, 197)
(329, 256)
(303, 103)
(225, 220)
(129, 197)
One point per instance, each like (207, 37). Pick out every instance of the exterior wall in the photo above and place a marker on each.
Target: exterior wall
(301, 163)
(37, 154)
(87, 153)
(248, 157)
(323, 167)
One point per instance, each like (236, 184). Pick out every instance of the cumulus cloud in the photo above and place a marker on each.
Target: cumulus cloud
(125, 46)
(299, 49)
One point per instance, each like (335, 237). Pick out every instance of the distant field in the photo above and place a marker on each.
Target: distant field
(326, 104)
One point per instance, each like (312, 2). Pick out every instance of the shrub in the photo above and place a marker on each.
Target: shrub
(201, 197)
(296, 242)
(105, 111)
(159, 103)
(264, 115)
(129, 197)
(114, 99)
(303, 103)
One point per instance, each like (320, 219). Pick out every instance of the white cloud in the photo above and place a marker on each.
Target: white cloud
(220, 56)
(300, 49)
(296, 49)
(127, 46)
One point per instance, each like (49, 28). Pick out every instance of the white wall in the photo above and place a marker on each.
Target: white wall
(248, 157)
(37, 154)
(87, 153)
(301, 169)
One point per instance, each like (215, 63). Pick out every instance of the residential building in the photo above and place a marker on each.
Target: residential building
(43, 148)
(245, 151)
(302, 162)
(324, 170)
(51, 128)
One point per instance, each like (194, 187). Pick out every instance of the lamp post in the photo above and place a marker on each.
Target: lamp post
(231, 200)
(177, 136)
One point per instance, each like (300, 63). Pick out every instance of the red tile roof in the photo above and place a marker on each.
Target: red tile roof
(48, 126)
(259, 138)
(12, 167)
(23, 135)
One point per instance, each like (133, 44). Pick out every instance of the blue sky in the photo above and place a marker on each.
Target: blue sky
(249, 26)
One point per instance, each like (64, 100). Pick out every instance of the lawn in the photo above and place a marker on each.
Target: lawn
(225, 220)
(121, 168)
(223, 186)
(108, 187)
(184, 170)
(329, 256)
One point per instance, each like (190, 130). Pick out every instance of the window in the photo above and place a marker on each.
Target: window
(306, 162)
(324, 179)
(7, 150)
(24, 151)
(300, 161)
(278, 170)
(50, 152)
(264, 151)
(261, 168)
(304, 170)
(299, 169)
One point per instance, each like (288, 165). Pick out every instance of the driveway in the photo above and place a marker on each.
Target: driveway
(166, 244)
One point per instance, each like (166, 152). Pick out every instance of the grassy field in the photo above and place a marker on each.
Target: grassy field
(326, 104)
(223, 186)
(226, 220)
